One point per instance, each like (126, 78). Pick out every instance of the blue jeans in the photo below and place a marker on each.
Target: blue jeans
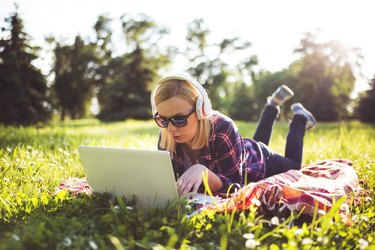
(275, 163)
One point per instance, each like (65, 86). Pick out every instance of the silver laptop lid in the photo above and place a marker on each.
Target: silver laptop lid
(146, 175)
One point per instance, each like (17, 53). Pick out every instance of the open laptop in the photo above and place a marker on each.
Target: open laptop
(145, 175)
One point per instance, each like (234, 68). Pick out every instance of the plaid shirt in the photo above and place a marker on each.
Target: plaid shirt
(228, 155)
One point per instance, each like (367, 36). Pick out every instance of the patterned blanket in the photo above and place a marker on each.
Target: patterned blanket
(315, 186)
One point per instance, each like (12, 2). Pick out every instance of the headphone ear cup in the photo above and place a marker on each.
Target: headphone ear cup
(199, 108)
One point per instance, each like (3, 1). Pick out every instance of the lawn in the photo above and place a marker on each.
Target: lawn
(34, 161)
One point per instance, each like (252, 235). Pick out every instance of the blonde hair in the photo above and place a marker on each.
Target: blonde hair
(188, 92)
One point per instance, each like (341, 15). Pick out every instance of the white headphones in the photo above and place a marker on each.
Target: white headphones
(203, 105)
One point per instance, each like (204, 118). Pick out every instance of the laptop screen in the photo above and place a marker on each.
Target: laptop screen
(145, 175)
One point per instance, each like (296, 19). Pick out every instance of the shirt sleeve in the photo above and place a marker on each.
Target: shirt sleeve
(228, 150)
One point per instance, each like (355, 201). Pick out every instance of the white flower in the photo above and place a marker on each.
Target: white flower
(364, 218)
(307, 241)
(67, 242)
(250, 224)
(368, 199)
(93, 244)
(298, 231)
(275, 220)
(129, 207)
(16, 237)
(251, 243)
(323, 240)
(321, 212)
(248, 236)
(344, 208)
(355, 218)
(362, 243)
(256, 202)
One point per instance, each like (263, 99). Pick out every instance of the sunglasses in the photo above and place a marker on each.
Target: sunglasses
(177, 121)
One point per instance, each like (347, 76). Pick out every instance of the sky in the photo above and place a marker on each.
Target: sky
(273, 27)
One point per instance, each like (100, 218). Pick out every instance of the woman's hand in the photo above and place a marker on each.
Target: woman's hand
(193, 178)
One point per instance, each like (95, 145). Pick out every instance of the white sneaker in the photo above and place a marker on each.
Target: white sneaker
(298, 109)
(281, 95)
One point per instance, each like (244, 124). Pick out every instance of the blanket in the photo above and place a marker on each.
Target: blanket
(314, 187)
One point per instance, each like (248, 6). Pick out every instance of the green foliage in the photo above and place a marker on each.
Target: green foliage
(366, 102)
(125, 79)
(74, 70)
(213, 72)
(324, 77)
(23, 88)
(128, 96)
(243, 104)
(34, 161)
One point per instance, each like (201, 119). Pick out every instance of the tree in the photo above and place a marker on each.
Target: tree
(23, 89)
(74, 68)
(366, 104)
(208, 63)
(264, 84)
(323, 78)
(126, 89)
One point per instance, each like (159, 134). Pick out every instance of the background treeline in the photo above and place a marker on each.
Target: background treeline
(120, 75)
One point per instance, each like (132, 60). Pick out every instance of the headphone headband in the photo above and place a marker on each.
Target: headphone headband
(203, 105)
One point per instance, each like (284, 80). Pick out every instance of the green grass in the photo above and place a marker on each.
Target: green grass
(34, 161)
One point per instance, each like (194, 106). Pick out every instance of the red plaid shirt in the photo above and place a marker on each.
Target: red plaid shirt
(228, 155)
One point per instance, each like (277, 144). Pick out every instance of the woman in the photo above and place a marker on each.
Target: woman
(203, 141)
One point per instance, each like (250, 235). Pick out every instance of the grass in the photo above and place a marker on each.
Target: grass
(34, 161)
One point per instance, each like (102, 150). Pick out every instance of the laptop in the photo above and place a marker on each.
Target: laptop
(145, 175)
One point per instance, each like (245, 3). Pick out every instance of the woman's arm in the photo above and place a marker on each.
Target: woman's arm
(228, 154)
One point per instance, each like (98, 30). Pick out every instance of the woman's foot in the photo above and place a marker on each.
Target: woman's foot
(298, 109)
(281, 95)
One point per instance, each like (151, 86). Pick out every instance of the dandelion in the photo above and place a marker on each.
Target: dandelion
(93, 244)
(251, 243)
(275, 221)
(248, 236)
(362, 243)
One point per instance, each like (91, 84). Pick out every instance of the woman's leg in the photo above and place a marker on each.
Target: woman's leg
(276, 164)
(270, 112)
(294, 139)
(265, 125)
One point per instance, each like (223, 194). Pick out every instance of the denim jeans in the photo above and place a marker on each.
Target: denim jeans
(276, 163)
